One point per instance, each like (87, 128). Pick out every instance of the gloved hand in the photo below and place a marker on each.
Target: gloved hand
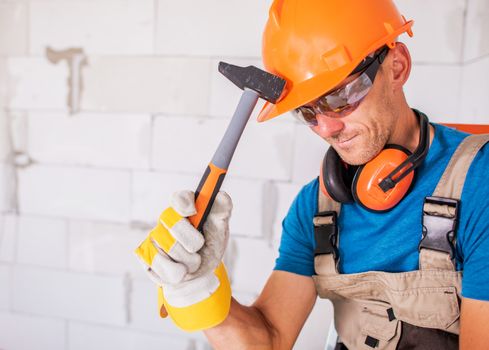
(187, 265)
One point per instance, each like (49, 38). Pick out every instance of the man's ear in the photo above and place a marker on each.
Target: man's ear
(400, 65)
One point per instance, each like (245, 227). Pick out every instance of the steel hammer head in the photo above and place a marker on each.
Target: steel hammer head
(267, 85)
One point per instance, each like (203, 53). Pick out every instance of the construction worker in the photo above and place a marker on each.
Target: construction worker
(395, 231)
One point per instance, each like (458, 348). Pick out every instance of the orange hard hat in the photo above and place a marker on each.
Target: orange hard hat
(316, 44)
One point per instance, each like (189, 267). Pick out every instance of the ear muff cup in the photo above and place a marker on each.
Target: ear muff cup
(365, 189)
(336, 177)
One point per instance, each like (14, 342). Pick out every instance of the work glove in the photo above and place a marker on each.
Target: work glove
(186, 265)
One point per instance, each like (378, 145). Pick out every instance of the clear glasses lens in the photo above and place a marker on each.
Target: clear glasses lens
(337, 101)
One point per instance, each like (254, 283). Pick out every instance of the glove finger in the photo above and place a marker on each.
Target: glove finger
(159, 241)
(181, 255)
(222, 206)
(184, 203)
(167, 270)
(160, 267)
(182, 230)
(212, 252)
(146, 252)
(216, 227)
(162, 238)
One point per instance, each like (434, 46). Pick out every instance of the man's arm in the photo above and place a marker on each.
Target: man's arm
(273, 321)
(474, 321)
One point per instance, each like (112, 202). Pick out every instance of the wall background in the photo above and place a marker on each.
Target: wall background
(79, 191)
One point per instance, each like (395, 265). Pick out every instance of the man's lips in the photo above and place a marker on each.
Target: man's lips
(345, 142)
(345, 139)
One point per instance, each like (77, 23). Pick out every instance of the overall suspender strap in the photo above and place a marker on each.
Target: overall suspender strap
(440, 211)
(451, 183)
(326, 235)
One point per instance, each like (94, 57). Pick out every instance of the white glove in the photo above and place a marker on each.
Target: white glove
(180, 258)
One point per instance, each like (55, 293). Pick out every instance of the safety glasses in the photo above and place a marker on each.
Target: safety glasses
(347, 98)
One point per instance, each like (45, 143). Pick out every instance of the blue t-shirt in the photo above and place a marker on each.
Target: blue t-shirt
(389, 241)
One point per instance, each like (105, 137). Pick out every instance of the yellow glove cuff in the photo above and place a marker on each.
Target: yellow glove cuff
(205, 314)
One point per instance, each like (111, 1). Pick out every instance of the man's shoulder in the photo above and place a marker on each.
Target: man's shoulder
(447, 135)
(456, 137)
(305, 202)
(308, 191)
(450, 139)
(310, 188)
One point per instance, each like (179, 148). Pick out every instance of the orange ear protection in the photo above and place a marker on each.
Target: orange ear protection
(382, 182)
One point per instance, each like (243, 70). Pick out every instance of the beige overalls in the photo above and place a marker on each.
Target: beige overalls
(407, 310)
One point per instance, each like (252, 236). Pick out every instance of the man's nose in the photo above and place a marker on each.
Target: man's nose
(328, 126)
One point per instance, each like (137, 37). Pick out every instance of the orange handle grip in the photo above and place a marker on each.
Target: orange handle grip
(206, 193)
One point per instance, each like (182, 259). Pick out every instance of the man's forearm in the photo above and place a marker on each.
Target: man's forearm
(245, 328)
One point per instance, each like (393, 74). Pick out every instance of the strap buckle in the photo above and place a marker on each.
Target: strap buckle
(440, 217)
(326, 233)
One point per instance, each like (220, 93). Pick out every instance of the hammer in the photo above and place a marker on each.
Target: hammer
(255, 84)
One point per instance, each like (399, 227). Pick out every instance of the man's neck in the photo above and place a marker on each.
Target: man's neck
(407, 129)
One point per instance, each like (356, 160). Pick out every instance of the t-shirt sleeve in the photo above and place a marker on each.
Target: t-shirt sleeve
(296, 250)
(474, 244)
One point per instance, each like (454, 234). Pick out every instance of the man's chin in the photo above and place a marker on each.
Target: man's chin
(353, 157)
(353, 161)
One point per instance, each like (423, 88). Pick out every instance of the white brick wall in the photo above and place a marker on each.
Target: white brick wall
(177, 140)
(171, 85)
(249, 274)
(104, 248)
(474, 103)
(78, 192)
(152, 191)
(8, 237)
(25, 332)
(36, 236)
(5, 283)
(76, 296)
(17, 121)
(107, 140)
(308, 154)
(476, 29)
(429, 83)
(7, 187)
(279, 198)
(82, 336)
(210, 28)
(13, 27)
(128, 29)
(438, 29)
(28, 79)
(4, 137)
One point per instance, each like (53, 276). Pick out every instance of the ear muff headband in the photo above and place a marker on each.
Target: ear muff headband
(414, 160)
(334, 178)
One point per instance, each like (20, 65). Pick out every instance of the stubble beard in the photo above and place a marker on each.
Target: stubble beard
(369, 142)
(365, 150)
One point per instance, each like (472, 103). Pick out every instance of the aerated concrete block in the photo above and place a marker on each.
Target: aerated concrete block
(75, 296)
(77, 193)
(127, 31)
